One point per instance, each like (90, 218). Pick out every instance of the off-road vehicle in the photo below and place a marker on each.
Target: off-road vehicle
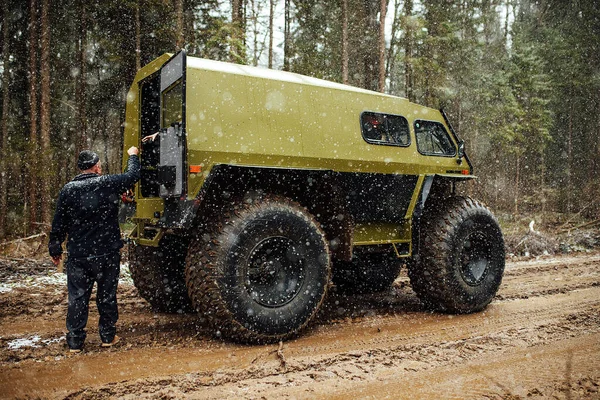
(266, 188)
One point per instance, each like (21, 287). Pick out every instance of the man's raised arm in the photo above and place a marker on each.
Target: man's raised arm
(127, 179)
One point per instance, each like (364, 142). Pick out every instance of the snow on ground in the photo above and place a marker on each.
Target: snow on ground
(33, 341)
(54, 279)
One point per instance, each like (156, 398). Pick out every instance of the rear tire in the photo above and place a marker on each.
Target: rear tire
(368, 272)
(461, 257)
(158, 274)
(261, 273)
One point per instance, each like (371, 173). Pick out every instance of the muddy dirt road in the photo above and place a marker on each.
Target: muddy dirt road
(539, 339)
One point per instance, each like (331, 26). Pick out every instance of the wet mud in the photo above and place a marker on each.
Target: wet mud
(540, 338)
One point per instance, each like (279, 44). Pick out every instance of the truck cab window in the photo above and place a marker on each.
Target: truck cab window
(172, 105)
(385, 129)
(433, 140)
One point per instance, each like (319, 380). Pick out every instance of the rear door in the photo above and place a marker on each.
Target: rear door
(172, 165)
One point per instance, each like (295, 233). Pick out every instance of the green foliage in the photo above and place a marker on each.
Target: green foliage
(525, 95)
(566, 37)
(317, 43)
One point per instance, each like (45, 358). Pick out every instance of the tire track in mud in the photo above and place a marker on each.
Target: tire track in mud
(544, 297)
(554, 266)
(550, 262)
(519, 373)
(523, 279)
(331, 376)
(422, 328)
(323, 347)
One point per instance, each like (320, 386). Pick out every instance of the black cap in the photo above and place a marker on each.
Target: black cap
(87, 159)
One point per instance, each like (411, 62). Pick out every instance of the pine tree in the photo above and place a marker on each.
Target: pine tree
(31, 202)
(45, 148)
(4, 125)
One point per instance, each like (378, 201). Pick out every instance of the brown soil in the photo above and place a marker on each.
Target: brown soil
(539, 339)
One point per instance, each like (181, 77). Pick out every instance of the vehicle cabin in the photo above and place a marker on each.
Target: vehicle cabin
(227, 127)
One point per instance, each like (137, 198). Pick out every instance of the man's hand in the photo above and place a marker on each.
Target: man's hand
(56, 260)
(150, 138)
(133, 151)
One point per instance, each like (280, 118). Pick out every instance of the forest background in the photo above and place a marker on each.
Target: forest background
(520, 80)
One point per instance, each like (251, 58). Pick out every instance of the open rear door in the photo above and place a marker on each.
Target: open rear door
(172, 175)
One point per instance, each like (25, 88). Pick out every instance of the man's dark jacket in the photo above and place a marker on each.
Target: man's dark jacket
(87, 210)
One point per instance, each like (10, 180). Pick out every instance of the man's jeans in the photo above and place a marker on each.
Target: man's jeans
(81, 275)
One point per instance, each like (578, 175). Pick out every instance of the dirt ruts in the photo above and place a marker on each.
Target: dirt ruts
(540, 338)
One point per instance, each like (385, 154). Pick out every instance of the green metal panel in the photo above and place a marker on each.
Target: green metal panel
(241, 115)
(381, 233)
(415, 197)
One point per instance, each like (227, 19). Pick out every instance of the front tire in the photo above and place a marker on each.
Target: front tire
(261, 273)
(461, 257)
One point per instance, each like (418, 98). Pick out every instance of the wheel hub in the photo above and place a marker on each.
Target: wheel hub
(275, 272)
(475, 258)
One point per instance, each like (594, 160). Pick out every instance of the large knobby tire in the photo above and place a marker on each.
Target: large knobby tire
(261, 272)
(368, 272)
(461, 257)
(159, 274)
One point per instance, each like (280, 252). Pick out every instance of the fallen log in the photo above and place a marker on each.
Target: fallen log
(585, 225)
(22, 239)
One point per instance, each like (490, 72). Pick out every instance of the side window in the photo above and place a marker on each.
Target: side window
(172, 105)
(432, 139)
(385, 129)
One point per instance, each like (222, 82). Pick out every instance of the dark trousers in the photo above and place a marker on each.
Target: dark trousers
(81, 275)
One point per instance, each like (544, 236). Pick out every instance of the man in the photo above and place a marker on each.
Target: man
(87, 211)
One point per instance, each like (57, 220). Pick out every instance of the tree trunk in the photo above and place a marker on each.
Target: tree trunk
(255, 32)
(345, 42)
(570, 154)
(595, 157)
(286, 35)
(106, 140)
(80, 93)
(506, 23)
(382, 14)
(179, 34)
(408, 50)
(45, 115)
(237, 35)
(32, 167)
(235, 13)
(517, 177)
(367, 22)
(4, 131)
(496, 180)
(243, 22)
(391, 54)
(271, 16)
(138, 47)
(543, 182)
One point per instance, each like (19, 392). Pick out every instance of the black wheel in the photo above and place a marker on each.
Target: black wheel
(368, 272)
(461, 257)
(159, 274)
(261, 273)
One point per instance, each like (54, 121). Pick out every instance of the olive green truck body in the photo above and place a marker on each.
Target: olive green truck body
(362, 163)
(247, 117)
